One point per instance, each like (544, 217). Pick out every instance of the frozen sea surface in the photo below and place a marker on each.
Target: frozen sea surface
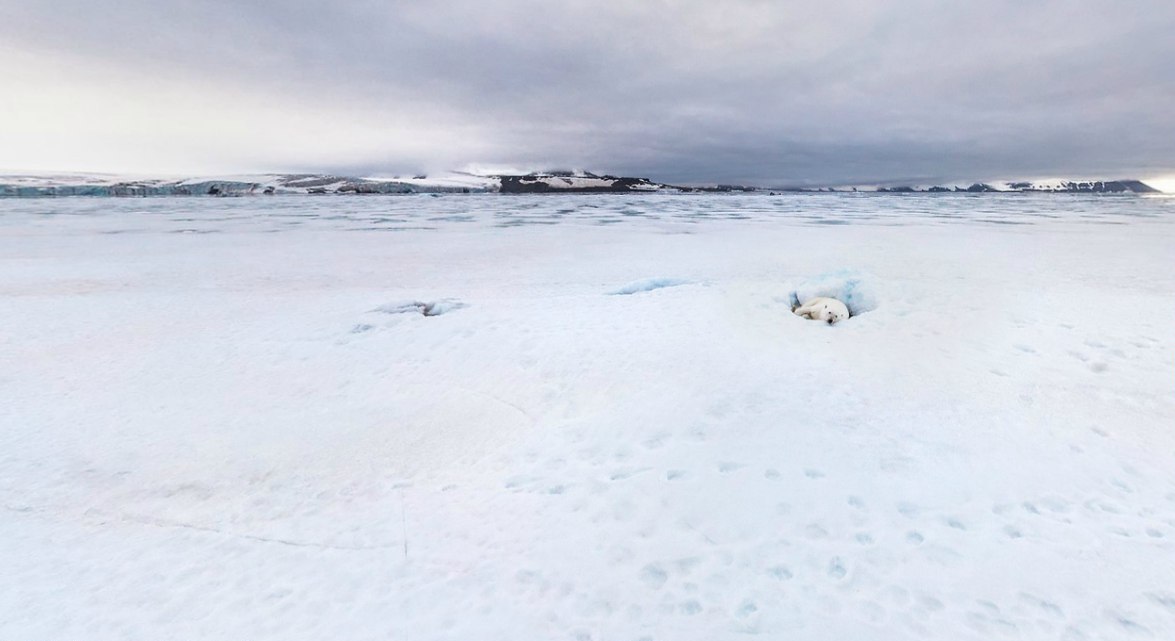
(434, 212)
(272, 419)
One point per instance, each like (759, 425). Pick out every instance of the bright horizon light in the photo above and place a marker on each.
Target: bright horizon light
(1165, 184)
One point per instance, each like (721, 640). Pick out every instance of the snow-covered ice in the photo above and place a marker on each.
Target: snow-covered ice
(427, 308)
(647, 285)
(211, 426)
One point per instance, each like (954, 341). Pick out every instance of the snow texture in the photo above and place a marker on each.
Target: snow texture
(647, 285)
(429, 308)
(208, 433)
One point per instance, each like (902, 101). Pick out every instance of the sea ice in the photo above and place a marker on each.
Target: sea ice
(213, 436)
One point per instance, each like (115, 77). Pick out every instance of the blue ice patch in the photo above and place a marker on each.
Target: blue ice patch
(856, 290)
(647, 285)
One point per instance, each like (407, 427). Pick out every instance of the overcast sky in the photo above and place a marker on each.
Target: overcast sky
(768, 93)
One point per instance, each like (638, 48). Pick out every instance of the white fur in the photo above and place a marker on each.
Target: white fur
(829, 310)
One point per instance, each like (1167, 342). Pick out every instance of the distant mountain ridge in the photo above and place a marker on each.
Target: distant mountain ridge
(548, 182)
(240, 185)
(1040, 186)
(561, 181)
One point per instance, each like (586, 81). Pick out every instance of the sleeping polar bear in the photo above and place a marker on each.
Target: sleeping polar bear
(829, 310)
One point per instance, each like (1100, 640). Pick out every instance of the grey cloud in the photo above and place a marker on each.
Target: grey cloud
(761, 92)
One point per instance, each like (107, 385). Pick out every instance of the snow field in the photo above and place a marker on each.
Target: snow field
(198, 444)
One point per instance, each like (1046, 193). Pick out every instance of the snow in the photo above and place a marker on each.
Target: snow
(241, 184)
(430, 308)
(1001, 185)
(455, 179)
(647, 285)
(198, 444)
(50, 180)
(574, 182)
(587, 182)
(260, 179)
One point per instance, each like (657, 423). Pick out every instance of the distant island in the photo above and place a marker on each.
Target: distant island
(548, 182)
(1051, 186)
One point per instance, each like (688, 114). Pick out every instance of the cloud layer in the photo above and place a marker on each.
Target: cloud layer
(748, 91)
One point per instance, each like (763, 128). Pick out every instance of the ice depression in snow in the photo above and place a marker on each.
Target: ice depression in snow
(858, 291)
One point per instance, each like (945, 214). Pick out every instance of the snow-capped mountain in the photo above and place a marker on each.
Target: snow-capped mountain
(574, 181)
(1055, 185)
(241, 185)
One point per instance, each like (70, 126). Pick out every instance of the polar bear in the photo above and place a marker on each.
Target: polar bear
(829, 310)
